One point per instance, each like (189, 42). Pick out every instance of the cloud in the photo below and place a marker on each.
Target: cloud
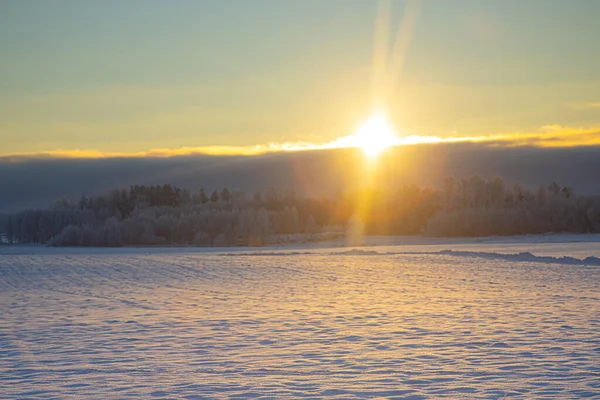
(164, 152)
(38, 182)
(550, 136)
(545, 136)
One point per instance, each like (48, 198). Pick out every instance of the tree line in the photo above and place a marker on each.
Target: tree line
(167, 215)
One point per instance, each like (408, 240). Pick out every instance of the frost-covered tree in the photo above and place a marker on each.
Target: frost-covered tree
(225, 195)
(163, 214)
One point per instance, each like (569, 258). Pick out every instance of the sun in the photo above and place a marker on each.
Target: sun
(375, 135)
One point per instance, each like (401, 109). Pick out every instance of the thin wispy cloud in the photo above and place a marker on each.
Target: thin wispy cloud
(545, 136)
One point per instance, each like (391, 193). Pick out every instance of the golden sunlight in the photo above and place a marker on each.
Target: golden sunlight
(374, 135)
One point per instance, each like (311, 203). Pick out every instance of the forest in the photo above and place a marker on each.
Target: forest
(166, 215)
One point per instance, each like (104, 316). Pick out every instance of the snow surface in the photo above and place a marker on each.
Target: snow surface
(482, 319)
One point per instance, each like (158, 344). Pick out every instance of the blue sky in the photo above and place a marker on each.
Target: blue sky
(127, 76)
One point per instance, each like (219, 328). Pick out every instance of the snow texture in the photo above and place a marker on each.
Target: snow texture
(377, 322)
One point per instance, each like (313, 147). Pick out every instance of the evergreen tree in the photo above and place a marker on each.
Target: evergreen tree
(202, 195)
(226, 195)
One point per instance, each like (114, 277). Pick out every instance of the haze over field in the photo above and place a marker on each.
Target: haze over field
(38, 182)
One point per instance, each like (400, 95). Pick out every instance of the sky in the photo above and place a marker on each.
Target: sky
(126, 77)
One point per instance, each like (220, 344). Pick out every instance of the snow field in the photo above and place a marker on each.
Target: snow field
(330, 323)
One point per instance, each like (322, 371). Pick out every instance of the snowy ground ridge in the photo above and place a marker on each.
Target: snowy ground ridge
(516, 257)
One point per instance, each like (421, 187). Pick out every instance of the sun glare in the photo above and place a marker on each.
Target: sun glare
(375, 135)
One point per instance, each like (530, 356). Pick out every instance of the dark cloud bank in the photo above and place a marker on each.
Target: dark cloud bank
(38, 182)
